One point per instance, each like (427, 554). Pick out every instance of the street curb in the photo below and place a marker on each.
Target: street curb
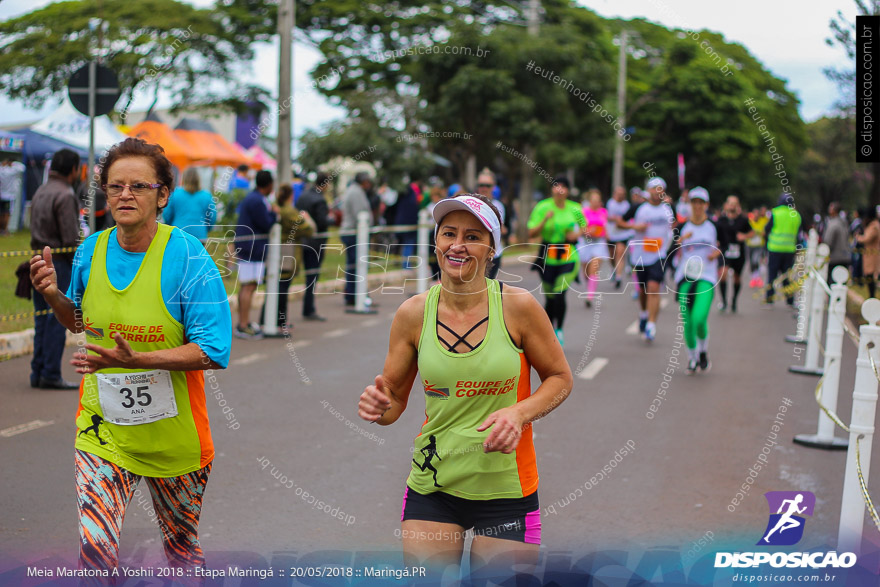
(16, 344)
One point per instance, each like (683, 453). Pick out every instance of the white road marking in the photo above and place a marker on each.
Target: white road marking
(300, 344)
(370, 322)
(633, 328)
(248, 359)
(27, 427)
(337, 333)
(591, 370)
(664, 302)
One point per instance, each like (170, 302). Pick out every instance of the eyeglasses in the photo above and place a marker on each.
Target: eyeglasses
(485, 185)
(136, 189)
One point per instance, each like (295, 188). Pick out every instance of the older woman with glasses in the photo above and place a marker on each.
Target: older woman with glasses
(152, 305)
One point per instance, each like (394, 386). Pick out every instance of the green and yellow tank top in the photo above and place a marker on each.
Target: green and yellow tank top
(151, 422)
(461, 390)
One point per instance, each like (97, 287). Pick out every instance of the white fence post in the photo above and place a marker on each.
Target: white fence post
(817, 313)
(362, 248)
(852, 507)
(273, 273)
(805, 294)
(422, 250)
(824, 437)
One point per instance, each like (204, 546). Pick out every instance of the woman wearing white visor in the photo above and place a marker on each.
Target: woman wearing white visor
(473, 343)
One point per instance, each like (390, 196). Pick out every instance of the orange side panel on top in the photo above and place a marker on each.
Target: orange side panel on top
(162, 135)
(525, 452)
(195, 384)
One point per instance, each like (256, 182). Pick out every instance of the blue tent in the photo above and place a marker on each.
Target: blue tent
(39, 147)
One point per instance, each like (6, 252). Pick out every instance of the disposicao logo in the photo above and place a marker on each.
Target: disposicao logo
(785, 527)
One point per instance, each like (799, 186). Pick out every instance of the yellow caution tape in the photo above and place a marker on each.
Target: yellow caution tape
(24, 315)
(6, 254)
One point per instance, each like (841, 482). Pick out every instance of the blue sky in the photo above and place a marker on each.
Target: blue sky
(785, 35)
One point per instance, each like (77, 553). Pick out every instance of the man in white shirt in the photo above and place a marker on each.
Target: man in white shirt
(653, 222)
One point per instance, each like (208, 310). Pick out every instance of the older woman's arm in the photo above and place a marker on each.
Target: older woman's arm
(187, 357)
(46, 283)
(544, 354)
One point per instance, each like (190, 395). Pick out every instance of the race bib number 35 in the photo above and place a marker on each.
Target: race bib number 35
(137, 397)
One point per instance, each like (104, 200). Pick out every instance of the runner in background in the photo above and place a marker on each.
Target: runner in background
(559, 222)
(683, 207)
(735, 230)
(653, 222)
(593, 247)
(757, 247)
(695, 275)
(618, 237)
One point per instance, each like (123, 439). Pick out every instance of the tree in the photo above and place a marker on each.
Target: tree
(843, 35)
(687, 94)
(155, 44)
(829, 171)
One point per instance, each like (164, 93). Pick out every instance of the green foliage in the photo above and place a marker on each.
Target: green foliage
(829, 170)
(194, 54)
(686, 94)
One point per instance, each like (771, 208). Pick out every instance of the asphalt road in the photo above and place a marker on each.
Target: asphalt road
(295, 402)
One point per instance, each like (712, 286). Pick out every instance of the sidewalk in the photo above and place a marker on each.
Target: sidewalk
(16, 344)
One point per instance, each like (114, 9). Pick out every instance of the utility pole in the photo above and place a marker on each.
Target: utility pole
(527, 171)
(617, 171)
(285, 106)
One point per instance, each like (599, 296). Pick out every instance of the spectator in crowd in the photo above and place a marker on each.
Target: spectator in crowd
(855, 229)
(255, 217)
(298, 186)
(295, 226)
(389, 196)
(313, 203)
(488, 186)
(870, 242)
(11, 173)
(438, 193)
(836, 236)
(408, 204)
(240, 180)
(354, 201)
(103, 217)
(190, 207)
(54, 223)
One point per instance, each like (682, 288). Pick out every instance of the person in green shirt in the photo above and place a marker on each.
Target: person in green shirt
(559, 222)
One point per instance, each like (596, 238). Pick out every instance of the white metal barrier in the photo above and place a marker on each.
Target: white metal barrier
(816, 297)
(805, 294)
(861, 434)
(830, 383)
(362, 304)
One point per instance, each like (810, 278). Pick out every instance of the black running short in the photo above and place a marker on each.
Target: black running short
(517, 519)
(652, 272)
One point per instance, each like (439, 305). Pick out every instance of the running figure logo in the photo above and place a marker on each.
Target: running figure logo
(786, 526)
(429, 452)
(433, 391)
(96, 421)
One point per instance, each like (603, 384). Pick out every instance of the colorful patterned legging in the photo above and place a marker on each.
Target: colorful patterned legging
(103, 492)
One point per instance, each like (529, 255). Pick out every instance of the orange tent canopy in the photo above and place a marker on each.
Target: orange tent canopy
(162, 135)
(212, 149)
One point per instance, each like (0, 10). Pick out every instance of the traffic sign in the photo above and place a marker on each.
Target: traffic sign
(106, 89)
